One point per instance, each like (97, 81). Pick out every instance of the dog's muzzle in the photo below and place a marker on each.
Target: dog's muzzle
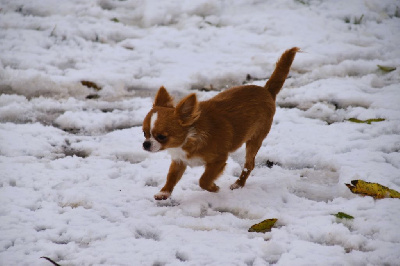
(147, 145)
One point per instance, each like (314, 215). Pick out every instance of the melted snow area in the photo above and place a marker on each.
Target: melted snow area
(76, 186)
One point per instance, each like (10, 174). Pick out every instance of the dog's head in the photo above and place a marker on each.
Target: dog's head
(167, 126)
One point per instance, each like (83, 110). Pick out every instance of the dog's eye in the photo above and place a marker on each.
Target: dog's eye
(161, 137)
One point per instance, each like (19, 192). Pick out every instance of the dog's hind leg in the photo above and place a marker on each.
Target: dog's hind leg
(211, 173)
(252, 147)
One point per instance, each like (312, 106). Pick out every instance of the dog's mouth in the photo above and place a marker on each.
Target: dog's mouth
(151, 145)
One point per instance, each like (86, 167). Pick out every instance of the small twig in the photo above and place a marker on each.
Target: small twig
(52, 261)
(52, 33)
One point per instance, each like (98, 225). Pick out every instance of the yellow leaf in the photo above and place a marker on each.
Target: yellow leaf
(368, 121)
(372, 189)
(264, 226)
(386, 68)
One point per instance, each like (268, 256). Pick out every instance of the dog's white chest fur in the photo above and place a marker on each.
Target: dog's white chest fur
(178, 154)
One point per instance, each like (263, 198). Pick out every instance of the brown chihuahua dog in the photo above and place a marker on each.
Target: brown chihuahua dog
(204, 133)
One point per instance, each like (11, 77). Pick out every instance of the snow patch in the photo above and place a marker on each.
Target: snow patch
(77, 187)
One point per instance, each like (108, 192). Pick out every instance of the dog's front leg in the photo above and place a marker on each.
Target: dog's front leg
(211, 173)
(176, 170)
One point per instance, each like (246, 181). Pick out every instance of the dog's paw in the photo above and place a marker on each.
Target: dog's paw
(162, 195)
(209, 187)
(213, 188)
(236, 185)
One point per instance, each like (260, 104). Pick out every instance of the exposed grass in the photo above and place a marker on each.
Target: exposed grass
(303, 2)
(342, 215)
(356, 20)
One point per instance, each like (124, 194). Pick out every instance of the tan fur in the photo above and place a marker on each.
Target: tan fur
(208, 131)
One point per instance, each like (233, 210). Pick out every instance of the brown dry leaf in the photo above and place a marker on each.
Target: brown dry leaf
(264, 226)
(372, 189)
(90, 84)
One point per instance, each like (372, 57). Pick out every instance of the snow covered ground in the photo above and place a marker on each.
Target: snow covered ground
(76, 186)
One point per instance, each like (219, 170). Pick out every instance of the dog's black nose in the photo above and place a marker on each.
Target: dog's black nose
(146, 145)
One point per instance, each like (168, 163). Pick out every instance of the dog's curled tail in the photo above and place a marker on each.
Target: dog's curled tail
(278, 77)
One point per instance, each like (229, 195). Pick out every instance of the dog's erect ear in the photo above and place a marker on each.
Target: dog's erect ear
(188, 110)
(163, 99)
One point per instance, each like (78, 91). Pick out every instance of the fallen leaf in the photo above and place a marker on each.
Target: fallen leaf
(342, 215)
(372, 189)
(386, 68)
(368, 121)
(92, 96)
(264, 226)
(90, 84)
